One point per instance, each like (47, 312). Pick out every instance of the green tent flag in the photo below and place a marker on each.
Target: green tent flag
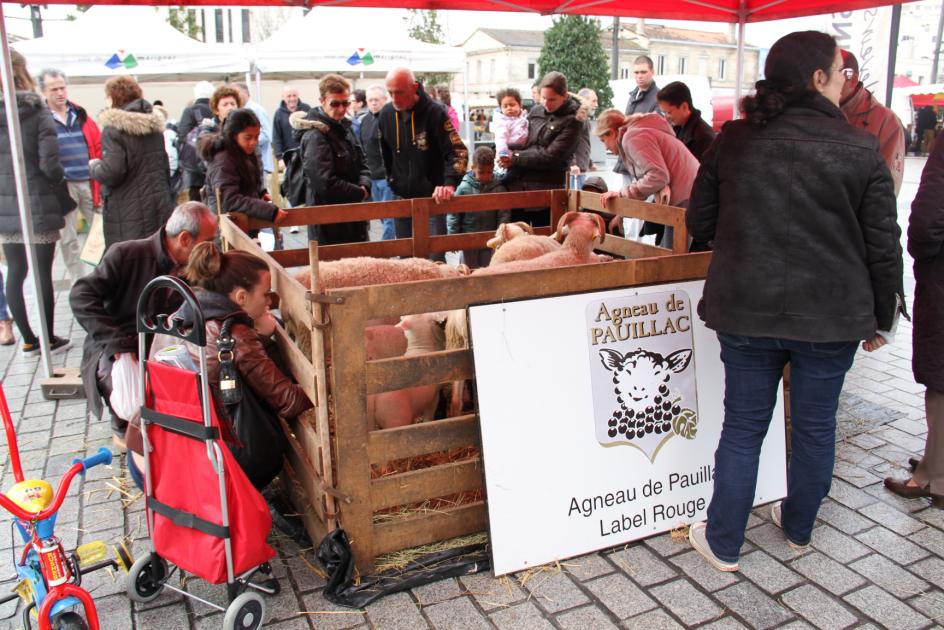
(129, 61)
(367, 59)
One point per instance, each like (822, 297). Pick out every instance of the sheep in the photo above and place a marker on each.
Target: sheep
(517, 241)
(424, 333)
(364, 270)
(580, 231)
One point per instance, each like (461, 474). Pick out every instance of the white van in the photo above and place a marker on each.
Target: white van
(700, 87)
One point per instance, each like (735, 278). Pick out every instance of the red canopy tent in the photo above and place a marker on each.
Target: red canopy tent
(903, 81)
(735, 11)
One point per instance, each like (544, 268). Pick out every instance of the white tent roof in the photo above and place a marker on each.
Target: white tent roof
(327, 37)
(104, 33)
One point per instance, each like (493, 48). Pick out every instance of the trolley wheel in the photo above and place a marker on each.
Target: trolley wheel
(146, 578)
(69, 620)
(246, 612)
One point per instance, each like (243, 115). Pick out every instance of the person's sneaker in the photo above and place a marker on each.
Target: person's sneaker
(698, 537)
(31, 349)
(293, 229)
(775, 517)
(58, 345)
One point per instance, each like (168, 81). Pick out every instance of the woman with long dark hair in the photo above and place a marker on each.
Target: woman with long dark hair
(234, 171)
(43, 174)
(800, 208)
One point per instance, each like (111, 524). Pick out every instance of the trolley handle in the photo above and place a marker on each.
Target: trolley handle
(166, 324)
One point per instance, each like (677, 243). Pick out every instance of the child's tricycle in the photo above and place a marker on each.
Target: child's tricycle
(50, 579)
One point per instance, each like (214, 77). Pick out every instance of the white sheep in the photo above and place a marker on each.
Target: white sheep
(517, 241)
(364, 270)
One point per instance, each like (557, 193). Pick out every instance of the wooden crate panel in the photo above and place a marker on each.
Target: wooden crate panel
(426, 483)
(426, 528)
(420, 439)
(386, 375)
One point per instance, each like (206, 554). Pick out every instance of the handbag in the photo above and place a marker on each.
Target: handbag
(94, 247)
(256, 426)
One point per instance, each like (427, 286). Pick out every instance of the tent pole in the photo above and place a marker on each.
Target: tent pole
(892, 53)
(465, 102)
(739, 71)
(22, 191)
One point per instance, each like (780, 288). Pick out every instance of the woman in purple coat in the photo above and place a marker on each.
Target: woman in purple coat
(926, 246)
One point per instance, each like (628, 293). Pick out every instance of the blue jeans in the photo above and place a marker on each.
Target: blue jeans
(380, 191)
(437, 227)
(4, 313)
(753, 367)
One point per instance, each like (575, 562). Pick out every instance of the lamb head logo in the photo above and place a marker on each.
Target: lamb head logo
(643, 383)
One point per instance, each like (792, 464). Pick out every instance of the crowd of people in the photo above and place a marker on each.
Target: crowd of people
(797, 204)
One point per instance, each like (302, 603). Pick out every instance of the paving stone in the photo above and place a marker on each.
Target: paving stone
(931, 539)
(753, 605)
(725, 623)
(686, 602)
(396, 612)
(327, 616)
(891, 545)
(912, 427)
(173, 616)
(931, 516)
(435, 592)
(770, 538)
(555, 591)
(854, 474)
(886, 609)
(902, 504)
(842, 518)
(667, 545)
(623, 598)
(709, 578)
(653, 620)
(837, 545)
(491, 592)
(892, 518)
(642, 565)
(767, 573)
(930, 604)
(520, 617)
(828, 573)
(586, 618)
(588, 567)
(850, 496)
(888, 575)
(931, 569)
(818, 608)
(454, 613)
(867, 441)
(114, 613)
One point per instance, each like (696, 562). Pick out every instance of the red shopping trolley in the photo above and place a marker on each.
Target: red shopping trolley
(204, 516)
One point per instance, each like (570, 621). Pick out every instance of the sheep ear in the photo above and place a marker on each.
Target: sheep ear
(612, 360)
(601, 226)
(524, 226)
(679, 360)
(564, 220)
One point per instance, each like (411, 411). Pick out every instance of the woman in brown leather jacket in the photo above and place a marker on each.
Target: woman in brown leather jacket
(232, 286)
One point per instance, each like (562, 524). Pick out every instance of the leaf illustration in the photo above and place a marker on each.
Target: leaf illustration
(686, 424)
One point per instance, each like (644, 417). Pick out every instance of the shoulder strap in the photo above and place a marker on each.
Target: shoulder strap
(230, 390)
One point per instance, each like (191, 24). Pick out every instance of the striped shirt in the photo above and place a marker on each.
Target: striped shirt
(73, 151)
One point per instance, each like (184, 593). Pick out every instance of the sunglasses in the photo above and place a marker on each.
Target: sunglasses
(339, 103)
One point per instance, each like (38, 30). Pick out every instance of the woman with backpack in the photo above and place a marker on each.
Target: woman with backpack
(332, 160)
(233, 168)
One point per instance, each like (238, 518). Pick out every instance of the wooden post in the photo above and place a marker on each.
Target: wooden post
(348, 371)
(324, 457)
(421, 227)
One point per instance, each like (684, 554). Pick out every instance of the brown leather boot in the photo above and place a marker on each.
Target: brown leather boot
(6, 333)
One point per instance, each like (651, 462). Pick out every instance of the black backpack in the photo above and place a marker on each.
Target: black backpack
(187, 155)
(295, 183)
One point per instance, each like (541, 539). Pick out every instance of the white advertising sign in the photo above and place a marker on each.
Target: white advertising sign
(600, 415)
(866, 34)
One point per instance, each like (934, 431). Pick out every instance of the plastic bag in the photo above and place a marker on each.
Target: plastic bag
(126, 397)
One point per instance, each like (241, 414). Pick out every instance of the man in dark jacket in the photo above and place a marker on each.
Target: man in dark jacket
(422, 153)
(642, 100)
(105, 301)
(675, 101)
(370, 141)
(193, 116)
(283, 136)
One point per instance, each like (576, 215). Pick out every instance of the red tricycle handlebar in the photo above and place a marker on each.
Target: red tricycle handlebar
(103, 456)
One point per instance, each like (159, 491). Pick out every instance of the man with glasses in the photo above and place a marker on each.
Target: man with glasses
(333, 160)
(865, 112)
(422, 153)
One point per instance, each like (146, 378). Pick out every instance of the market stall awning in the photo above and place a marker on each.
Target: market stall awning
(708, 10)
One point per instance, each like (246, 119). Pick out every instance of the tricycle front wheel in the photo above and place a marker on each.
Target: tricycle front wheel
(69, 620)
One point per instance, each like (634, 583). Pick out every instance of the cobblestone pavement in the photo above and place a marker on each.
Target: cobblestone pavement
(875, 560)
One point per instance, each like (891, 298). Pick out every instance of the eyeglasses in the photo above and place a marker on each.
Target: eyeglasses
(847, 72)
(339, 103)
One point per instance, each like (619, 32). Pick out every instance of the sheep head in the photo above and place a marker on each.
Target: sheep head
(507, 232)
(581, 229)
